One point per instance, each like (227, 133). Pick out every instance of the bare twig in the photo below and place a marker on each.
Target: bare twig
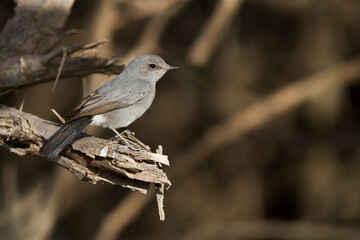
(22, 105)
(61, 119)
(216, 27)
(60, 68)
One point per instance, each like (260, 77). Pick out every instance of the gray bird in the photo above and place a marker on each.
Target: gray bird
(116, 104)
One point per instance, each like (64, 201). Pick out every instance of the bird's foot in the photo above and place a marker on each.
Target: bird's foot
(127, 131)
(127, 144)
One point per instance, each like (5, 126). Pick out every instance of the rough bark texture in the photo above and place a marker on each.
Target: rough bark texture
(27, 43)
(90, 159)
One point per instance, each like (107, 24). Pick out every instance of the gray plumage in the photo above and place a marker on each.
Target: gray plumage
(116, 104)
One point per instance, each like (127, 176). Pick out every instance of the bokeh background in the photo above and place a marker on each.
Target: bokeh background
(243, 166)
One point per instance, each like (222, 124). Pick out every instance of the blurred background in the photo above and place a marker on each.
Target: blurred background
(261, 124)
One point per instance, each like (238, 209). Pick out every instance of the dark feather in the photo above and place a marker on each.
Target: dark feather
(64, 136)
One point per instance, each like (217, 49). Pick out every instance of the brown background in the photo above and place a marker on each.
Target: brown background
(293, 176)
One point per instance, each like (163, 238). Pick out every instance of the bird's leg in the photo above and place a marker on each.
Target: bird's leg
(126, 141)
(125, 131)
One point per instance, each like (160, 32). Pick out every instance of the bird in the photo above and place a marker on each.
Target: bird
(116, 104)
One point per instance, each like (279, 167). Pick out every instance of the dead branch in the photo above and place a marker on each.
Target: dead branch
(27, 42)
(29, 69)
(89, 158)
(35, 28)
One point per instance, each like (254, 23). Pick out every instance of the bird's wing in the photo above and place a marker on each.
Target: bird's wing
(100, 102)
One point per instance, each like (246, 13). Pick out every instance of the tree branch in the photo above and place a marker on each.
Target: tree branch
(29, 69)
(89, 158)
(27, 42)
(35, 28)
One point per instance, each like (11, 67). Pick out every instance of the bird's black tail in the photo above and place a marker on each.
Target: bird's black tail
(64, 136)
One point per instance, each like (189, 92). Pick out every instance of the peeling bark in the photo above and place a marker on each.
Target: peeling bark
(91, 159)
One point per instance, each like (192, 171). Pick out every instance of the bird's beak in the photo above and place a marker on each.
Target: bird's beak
(171, 67)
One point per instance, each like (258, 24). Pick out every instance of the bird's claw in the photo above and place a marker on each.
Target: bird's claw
(127, 131)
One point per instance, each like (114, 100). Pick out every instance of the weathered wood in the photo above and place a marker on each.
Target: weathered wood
(29, 69)
(27, 44)
(35, 28)
(89, 158)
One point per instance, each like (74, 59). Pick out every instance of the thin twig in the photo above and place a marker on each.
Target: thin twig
(60, 68)
(62, 120)
(22, 105)
(205, 44)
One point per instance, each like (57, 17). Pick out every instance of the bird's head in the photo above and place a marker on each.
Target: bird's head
(149, 67)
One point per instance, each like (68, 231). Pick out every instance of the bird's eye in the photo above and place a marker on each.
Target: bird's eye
(152, 65)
